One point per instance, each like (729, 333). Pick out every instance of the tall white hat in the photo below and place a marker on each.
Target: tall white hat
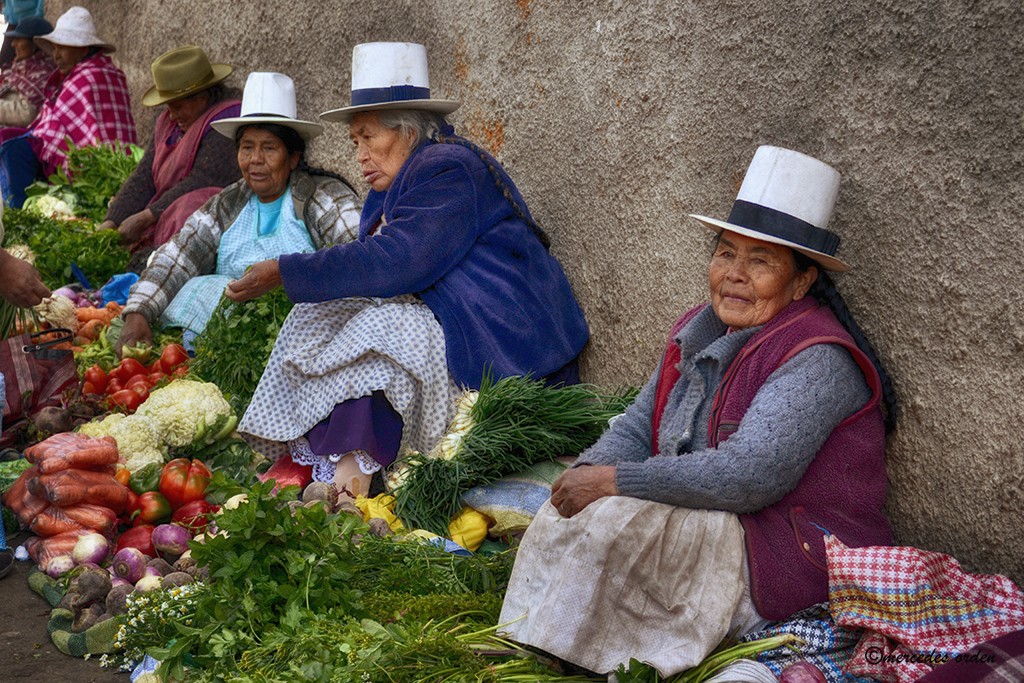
(74, 28)
(268, 98)
(390, 76)
(787, 198)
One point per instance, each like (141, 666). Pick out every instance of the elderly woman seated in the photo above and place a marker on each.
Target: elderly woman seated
(702, 511)
(187, 162)
(450, 277)
(23, 82)
(280, 206)
(87, 103)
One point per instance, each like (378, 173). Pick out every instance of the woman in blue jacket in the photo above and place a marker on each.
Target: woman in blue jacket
(450, 278)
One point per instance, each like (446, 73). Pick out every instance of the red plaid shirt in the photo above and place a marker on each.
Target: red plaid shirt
(29, 77)
(92, 105)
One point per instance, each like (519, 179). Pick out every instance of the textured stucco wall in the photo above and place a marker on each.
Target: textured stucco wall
(618, 118)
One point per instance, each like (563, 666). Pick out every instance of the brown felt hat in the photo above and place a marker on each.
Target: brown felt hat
(182, 72)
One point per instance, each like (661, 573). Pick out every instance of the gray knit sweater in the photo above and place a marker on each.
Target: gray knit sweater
(789, 420)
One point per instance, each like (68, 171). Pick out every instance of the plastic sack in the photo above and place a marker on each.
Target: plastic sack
(54, 520)
(20, 500)
(69, 450)
(42, 550)
(117, 288)
(70, 487)
(287, 472)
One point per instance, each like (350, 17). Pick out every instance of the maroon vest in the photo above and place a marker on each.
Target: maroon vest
(843, 490)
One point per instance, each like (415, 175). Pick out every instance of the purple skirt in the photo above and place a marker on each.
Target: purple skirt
(370, 423)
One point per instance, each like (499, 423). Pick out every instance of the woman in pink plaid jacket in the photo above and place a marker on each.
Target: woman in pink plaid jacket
(87, 102)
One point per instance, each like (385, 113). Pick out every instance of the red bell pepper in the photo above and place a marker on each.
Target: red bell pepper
(184, 481)
(153, 509)
(194, 516)
(130, 507)
(140, 537)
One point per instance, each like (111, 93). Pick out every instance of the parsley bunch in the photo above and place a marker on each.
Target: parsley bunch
(234, 348)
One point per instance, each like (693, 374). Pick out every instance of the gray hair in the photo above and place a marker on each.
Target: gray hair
(414, 124)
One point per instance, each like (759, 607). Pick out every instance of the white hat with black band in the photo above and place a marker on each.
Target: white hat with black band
(787, 198)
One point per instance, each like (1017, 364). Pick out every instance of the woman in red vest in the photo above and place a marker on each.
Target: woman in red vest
(186, 163)
(701, 513)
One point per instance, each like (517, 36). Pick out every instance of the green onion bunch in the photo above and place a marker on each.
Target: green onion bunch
(511, 424)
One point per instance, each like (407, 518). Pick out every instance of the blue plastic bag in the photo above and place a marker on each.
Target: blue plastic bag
(117, 288)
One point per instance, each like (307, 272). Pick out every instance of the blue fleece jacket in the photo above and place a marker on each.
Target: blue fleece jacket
(451, 237)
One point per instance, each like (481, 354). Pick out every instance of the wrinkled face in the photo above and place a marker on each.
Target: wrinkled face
(23, 48)
(380, 151)
(67, 56)
(265, 163)
(752, 280)
(184, 112)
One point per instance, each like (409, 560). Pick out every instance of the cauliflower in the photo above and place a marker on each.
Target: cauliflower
(59, 311)
(187, 413)
(137, 440)
(48, 205)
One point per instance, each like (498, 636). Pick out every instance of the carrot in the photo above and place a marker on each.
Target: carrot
(70, 487)
(114, 308)
(88, 313)
(58, 520)
(91, 329)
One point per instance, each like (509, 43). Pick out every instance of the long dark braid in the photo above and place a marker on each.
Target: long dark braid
(825, 291)
(490, 162)
(315, 170)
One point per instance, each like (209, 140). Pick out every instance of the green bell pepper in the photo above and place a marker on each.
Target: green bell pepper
(146, 478)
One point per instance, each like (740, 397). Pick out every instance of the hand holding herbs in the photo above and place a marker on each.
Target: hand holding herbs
(234, 348)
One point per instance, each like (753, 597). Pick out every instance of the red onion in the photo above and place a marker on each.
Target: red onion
(802, 672)
(129, 564)
(94, 548)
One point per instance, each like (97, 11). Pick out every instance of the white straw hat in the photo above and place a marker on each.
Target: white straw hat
(390, 76)
(74, 28)
(268, 98)
(787, 198)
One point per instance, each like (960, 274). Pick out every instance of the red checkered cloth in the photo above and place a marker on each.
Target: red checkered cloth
(92, 105)
(29, 77)
(919, 609)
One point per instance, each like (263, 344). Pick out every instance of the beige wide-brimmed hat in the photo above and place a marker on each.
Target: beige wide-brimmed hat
(390, 76)
(268, 98)
(787, 198)
(74, 28)
(182, 72)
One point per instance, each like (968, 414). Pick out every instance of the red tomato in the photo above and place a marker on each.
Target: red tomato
(172, 356)
(156, 376)
(136, 381)
(97, 377)
(130, 367)
(126, 399)
(113, 386)
(90, 388)
(180, 371)
(142, 389)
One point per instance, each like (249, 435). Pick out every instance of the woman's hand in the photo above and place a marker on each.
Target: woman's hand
(136, 329)
(133, 227)
(580, 486)
(107, 225)
(20, 282)
(259, 279)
